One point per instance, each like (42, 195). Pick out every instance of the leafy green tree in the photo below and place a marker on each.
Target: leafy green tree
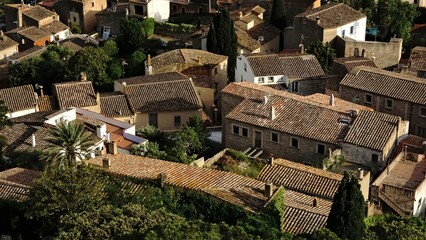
(115, 70)
(132, 35)
(136, 65)
(333, 163)
(151, 133)
(23, 159)
(324, 53)
(278, 16)
(399, 26)
(320, 234)
(58, 193)
(196, 123)
(92, 61)
(149, 25)
(184, 145)
(394, 228)
(24, 72)
(151, 150)
(69, 142)
(346, 217)
(110, 48)
(223, 40)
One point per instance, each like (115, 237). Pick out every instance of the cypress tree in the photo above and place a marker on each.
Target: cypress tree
(346, 217)
(278, 17)
(222, 39)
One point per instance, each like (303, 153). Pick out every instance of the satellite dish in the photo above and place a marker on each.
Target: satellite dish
(260, 39)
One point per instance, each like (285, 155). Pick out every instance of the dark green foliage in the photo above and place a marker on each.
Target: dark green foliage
(75, 28)
(149, 25)
(58, 193)
(132, 35)
(346, 217)
(136, 65)
(237, 155)
(324, 53)
(93, 62)
(23, 159)
(394, 228)
(320, 234)
(195, 122)
(151, 133)
(110, 48)
(399, 26)
(222, 39)
(115, 70)
(278, 16)
(173, 27)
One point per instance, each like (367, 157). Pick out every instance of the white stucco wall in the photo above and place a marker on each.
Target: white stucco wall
(69, 115)
(20, 113)
(159, 9)
(359, 28)
(420, 199)
(240, 73)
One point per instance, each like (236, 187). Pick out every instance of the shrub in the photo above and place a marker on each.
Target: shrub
(237, 155)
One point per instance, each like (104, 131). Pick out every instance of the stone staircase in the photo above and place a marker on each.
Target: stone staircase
(252, 152)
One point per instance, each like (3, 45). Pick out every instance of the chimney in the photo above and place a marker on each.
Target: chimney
(199, 60)
(271, 157)
(124, 87)
(318, 20)
(148, 66)
(83, 76)
(268, 189)
(302, 48)
(315, 202)
(162, 177)
(272, 113)
(106, 163)
(41, 91)
(241, 14)
(112, 148)
(360, 173)
(33, 140)
(332, 103)
(19, 20)
(264, 100)
(98, 98)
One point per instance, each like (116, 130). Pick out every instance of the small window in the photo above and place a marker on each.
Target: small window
(261, 80)
(270, 79)
(177, 120)
(215, 71)
(245, 67)
(352, 30)
(274, 137)
(421, 132)
(93, 4)
(368, 98)
(75, 19)
(343, 33)
(242, 78)
(423, 112)
(295, 86)
(374, 157)
(294, 142)
(236, 130)
(321, 149)
(389, 103)
(245, 132)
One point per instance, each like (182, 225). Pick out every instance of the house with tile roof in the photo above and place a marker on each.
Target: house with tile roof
(166, 100)
(191, 62)
(20, 100)
(115, 105)
(389, 92)
(324, 24)
(401, 187)
(15, 183)
(308, 180)
(77, 94)
(299, 73)
(8, 47)
(306, 129)
(250, 194)
(192, 6)
(29, 37)
(253, 33)
(157, 9)
(416, 63)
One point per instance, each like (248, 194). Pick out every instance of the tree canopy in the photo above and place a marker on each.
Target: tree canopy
(222, 39)
(346, 217)
(324, 53)
(278, 15)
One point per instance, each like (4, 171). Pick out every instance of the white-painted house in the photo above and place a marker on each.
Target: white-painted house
(260, 68)
(157, 9)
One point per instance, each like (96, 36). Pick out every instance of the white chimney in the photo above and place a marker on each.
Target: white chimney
(264, 100)
(360, 173)
(33, 140)
(272, 113)
(332, 102)
(269, 190)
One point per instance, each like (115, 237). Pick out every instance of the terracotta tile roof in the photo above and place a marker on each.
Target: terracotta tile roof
(20, 176)
(18, 98)
(417, 60)
(6, 42)
(246, 41)
(75, 94)
(15, 135)
(55, 27)
(352, 62)
(203, 81)
(332, 83)
(332, 15)
(372, 129)
(47, 103)
(301, 178)
(13, 191)
(167, 61)
(154, 78)
(36, 118)
(230, 187)
(33, 33)
(265, 64)
(294, 117)
(173, 95)
(302, 66)
(266, 30)
(38, 13)
(413, 144)
(115, 105)
(300, 216)
(386, 83)
(339, 104)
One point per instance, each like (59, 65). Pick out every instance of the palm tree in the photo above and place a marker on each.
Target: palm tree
(69, 142)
